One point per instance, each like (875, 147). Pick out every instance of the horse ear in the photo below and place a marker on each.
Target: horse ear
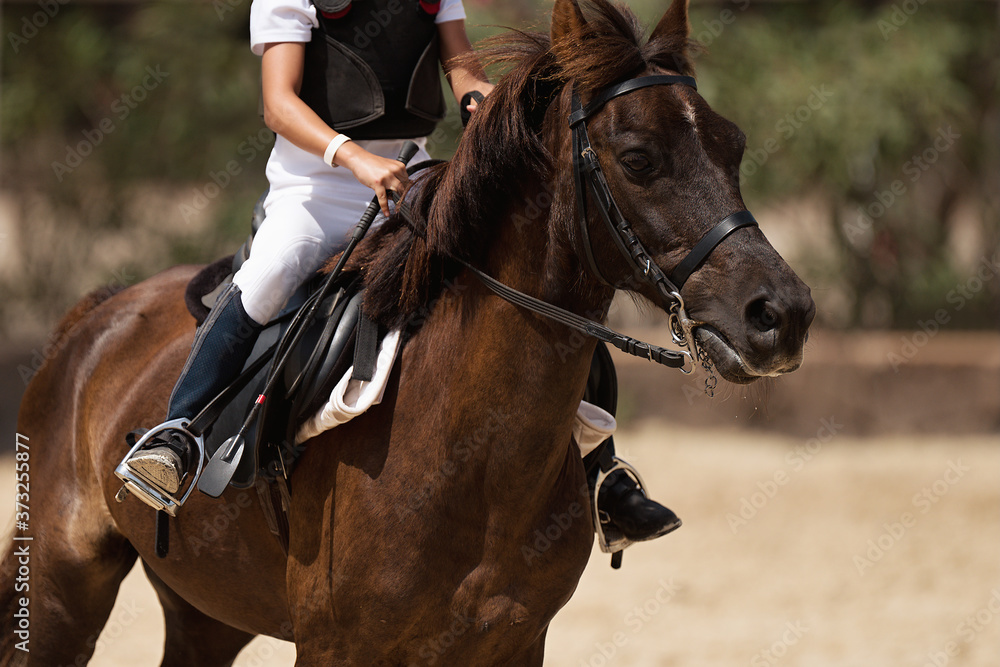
(674, 24)
(567, 20)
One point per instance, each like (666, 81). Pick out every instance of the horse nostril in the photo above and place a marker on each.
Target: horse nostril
(762, 315)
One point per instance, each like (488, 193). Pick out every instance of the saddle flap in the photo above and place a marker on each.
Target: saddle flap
(311, 367)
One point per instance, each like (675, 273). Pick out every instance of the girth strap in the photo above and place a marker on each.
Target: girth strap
(365, 349)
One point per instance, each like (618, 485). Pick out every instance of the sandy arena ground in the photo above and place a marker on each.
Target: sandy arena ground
(829, 552)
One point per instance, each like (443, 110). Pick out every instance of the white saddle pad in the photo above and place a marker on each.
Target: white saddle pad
(351, 398)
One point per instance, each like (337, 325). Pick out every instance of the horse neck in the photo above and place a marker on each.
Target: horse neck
(539, 367)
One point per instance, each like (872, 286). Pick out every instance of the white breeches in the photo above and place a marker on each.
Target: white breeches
(306, 221)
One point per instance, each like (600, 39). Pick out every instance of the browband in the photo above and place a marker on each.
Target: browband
(624, 87)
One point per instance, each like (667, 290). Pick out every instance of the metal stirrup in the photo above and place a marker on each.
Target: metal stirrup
(143, 488)
(613, 541)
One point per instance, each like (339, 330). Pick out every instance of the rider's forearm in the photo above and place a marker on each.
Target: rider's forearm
(288, 116)
(468, 75)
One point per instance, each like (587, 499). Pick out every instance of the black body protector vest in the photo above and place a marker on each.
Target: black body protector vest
(371, 69)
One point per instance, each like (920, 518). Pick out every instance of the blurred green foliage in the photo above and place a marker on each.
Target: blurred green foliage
(842, 103)
(890, 113)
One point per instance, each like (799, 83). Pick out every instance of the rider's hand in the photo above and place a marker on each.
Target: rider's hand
(378, 173)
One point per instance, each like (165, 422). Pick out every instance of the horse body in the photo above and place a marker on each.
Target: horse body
(452, 521)
(361, 552)
(413, 571)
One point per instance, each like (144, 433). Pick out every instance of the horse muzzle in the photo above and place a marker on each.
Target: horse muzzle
(767, 342)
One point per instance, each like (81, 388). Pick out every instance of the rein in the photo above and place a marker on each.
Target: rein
(585, 326)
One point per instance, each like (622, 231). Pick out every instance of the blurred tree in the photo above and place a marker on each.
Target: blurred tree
(131, 141)
(888, 111)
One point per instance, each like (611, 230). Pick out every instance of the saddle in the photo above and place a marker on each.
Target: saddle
(337, 338)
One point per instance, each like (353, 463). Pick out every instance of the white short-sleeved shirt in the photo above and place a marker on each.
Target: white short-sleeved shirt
(274, 21)
(291, 170)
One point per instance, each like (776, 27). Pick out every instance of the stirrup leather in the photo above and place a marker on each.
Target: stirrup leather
(144, 489)
(612, 541)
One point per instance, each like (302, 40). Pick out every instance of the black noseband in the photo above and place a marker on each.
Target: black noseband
(589, 177)
(707, 244)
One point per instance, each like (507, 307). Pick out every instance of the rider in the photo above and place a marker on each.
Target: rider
(329, 69)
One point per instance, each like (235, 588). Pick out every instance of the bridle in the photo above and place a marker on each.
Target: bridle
(590, 178)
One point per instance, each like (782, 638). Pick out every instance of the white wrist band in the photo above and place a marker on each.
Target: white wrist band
(333, 146)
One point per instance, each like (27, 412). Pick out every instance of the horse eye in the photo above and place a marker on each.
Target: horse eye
(637, 163)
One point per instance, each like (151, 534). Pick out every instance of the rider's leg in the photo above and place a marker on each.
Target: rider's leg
(621, 501)
(221, 347)
(282, 257)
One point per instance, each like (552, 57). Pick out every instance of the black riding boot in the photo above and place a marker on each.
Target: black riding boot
(221, 347)
(620, 503)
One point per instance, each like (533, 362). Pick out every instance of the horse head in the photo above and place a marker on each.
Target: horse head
(671, 165)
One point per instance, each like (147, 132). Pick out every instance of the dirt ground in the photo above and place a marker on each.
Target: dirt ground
(830, 551)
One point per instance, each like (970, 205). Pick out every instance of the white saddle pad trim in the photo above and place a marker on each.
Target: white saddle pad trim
(350, 397)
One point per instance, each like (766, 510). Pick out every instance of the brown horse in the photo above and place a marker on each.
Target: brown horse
(412, 528)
